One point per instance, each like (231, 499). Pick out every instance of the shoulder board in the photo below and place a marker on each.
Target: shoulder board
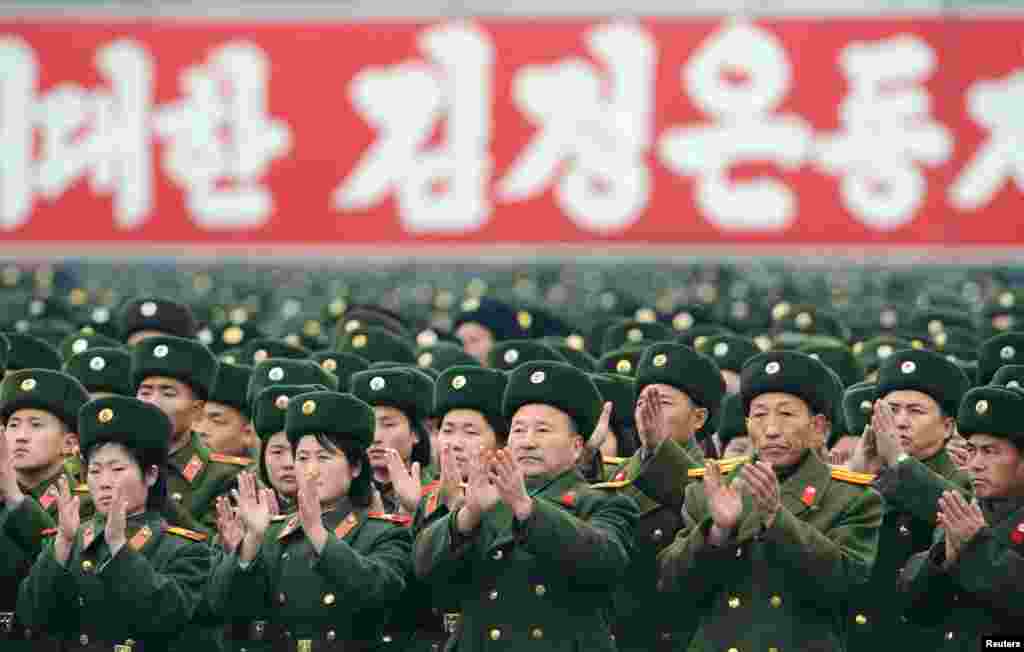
(81, 489)
(399, 519)
(613, 484)
(846, 475)
(613, 460)
(727, 464)
(427, 488)
(230, 459)
(49, 532)
(188, 534)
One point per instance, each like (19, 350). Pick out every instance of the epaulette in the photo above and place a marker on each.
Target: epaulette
(398, 519)
(188, 534)
(726, 465)
(49, 532)
(853, 477)
(429, 487)
(230, 459)
(613, 460)
(612, 484)
(81, 489)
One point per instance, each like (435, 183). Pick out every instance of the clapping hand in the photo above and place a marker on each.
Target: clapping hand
(68, 521)
(961, 521)
(507, 477)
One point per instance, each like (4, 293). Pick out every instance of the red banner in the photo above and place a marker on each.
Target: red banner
(789, 131)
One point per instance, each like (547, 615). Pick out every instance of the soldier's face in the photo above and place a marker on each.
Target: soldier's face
(543, 440)
(467, 432)
(782, 428)
(476, 340)
(37, 441)
(330, 467)
(682, 416)
(393, 430)
(174, 398)
(996, 467)
(111, 468)
(920, 426)
(280, 462)
(224, 429)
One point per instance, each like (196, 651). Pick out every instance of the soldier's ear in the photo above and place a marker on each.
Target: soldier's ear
(151, 475)
(700, 416)
(69, 445)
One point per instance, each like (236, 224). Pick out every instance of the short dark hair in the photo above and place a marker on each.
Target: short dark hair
(360, 492)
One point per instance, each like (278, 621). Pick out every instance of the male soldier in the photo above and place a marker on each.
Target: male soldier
(533, 555)
(485, 321)
(224, 424)
(145, 317)
(919, 394)
(970, 581)
(766, 565)
(678, 389)
(176, 375)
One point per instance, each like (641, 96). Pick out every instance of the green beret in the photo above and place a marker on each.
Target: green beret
(342, 365)
(262, 348)
(858, 405)
(231, 386)
(502, 320)
(271, 404)
(628, 332)
(127, 421)
(157, 314)
(999, 351)
(698, 336)
(43, 389)
(934, 321)
(872, 353)
(103, 369)
(995, 411)
(623, 361)
(404, 389)
(468, 387)
(839, 358)
(621, 391)
(441, 355)
(78, 342)
(732, 420)
(28, 352)
(788, 372)
(377, 345)
(556, 384)
(729, 351)
(330, 413)
(184, 360)
(926, 372)
(281, 371)
(675, 365)
(509, 354)
(1010, 376)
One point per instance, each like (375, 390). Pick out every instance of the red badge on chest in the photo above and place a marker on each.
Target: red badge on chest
(809, 495)
(569, 499)
(621, 475)
(1017, 536)
(49, 497)
(192, 469)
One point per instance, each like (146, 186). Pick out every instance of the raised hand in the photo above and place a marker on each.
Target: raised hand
(451, 481)
(68, 521)
(958, 452)
(883, 423)
(481, 495)
(507, 477)
(763, 485)
(724, 502)
(653, 428)
(253, 511)
(117, 522)
(602, 430)
(10, 492)
(229, 525)
(961, 521)
(865, 457)
(406, 481)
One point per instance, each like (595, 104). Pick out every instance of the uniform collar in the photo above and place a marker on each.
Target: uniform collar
(553, 486)
(140, 529)
(941, 463)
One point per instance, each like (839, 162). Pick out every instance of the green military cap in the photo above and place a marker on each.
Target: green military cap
(613, 302)
(873, 352)
(50, 331)
(229, 337)
(468, 387)
(509, 354)
(999, 351)
(431, 335)
(282, 371)
(684, 318)
(103, 369)
(330, 413)
(559, 385)
(43, 389)
(28, 352)
(262, 348)
(927, 372)
(442, 355)
(675, 365)
(426, 371)
(622, 361)
(934, 321)
(231, 385)
(995, 411)
(342, 365)
(808, 320)
(377, 345)
(745, 315)
(788, 372)
(5, 350)
(183, 359)
(127, 421)
(81, 341)
(577, 358)
(732, 420)
(858, 406)
(306, 331)
(837, 425)
(361, 316)
(629, 332)
(231, 356)
(1005, 311)
(503, 320)
(701, 333)
(1010, 376)
(539, 322)
(957, 342)
(402, 388)
(271, 404)
(156, 314)
(594, 338)
(839, 358)
(728, 351)
(621, 391)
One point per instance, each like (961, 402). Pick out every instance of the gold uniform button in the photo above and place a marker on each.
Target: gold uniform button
(331, 635)
(861, 619)
(734, 602)
(495, 634)
(176, 497)
(329, 599)
(83, 639)
(493, 595)
(540, 590)
(732, 649)
(776, 601)
(657, 534)
(537, 633)
(773, 649)
(87, 566)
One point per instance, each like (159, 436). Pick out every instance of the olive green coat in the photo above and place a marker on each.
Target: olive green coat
(981, 594)
(197, 477)
(782, 587)
(543, 584)
(148, 592)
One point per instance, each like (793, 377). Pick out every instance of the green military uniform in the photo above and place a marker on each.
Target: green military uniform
(149, 590)
(981, 594)
(545, 583)
(911, 491)
(336, 600)
(782, 587)
(656, 480)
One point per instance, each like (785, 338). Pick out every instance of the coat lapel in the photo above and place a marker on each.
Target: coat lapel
(558, 490)
(800, 493)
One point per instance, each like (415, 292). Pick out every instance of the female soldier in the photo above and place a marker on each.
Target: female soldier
(126, 576)
(324, 578)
